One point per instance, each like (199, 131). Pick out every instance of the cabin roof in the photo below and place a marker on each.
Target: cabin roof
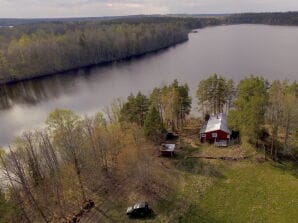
(215, 123)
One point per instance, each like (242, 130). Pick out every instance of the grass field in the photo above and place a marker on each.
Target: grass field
(249, 192)
(215, 191)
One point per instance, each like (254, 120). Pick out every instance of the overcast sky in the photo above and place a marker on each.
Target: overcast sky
(86, 8)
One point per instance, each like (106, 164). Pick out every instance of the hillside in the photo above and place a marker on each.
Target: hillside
(212, 191)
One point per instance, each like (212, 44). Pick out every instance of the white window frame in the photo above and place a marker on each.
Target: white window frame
(214, 135)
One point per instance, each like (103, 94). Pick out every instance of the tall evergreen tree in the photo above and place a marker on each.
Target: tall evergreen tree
(135, 109)
(250, 107)
(153, 125)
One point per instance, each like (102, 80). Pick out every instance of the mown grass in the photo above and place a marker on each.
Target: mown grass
(249, 192)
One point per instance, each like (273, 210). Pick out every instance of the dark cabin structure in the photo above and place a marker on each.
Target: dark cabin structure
(215, 130)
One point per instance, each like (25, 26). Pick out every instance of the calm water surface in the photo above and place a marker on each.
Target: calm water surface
(232, 51)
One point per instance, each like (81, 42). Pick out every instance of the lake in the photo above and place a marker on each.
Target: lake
(233, 51)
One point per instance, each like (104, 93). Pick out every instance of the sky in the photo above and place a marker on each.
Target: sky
(97, 8)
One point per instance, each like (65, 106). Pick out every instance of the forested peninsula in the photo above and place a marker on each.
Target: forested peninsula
(39, 47)
(60, 47)
(44, 48)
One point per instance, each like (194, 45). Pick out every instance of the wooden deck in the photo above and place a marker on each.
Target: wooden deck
(221, 143)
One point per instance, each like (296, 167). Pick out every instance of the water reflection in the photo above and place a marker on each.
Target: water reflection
(232, 51)
(32, 92)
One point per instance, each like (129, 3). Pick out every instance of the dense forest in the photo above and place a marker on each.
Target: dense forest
(38, 49)
(274, 18)
(45, 52)
(48, 174)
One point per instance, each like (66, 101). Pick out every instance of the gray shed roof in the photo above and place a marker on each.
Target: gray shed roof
(167, 147)
(216, 122)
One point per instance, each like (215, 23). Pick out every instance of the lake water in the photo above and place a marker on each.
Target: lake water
(233, 51)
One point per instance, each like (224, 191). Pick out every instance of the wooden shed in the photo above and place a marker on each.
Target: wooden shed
(167, 149)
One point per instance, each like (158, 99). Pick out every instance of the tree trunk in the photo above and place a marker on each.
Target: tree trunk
(78, 172)
(15, 190)
(287, 129)
(25, 186)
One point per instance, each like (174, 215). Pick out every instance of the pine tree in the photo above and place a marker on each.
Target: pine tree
(250, 106)
(153, 125)
(135, 109)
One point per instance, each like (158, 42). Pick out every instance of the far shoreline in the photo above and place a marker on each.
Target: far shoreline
(105, 63)
(101, 64)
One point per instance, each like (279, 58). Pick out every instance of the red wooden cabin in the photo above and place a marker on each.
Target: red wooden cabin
(216, 130)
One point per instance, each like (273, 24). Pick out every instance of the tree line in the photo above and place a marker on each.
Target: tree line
(167, 107)
(45, 47)
(42, 53)
(274, 18)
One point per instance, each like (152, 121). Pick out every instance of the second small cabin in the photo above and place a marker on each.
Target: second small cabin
(167, 149)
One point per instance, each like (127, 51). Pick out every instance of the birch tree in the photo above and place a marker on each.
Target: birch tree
(66, 130)
(215, 95)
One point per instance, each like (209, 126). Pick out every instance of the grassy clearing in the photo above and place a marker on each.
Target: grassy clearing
(253, 193)
(214, 191)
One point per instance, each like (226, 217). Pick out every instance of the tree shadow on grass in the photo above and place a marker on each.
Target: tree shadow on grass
(195, 214)
(200, 167)
(290, 167)
(184, 161)
(182, 210)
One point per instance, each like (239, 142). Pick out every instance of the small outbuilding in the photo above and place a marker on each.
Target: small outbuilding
(215, 130)
(167, 149)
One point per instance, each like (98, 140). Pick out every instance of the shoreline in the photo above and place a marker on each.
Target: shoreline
(104, 63)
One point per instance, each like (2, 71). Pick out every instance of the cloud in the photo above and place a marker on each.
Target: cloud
(75, 8)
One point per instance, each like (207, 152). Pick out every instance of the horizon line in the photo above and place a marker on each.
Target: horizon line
(157, 14)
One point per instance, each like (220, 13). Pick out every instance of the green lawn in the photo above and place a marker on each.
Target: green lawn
(248, 192)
